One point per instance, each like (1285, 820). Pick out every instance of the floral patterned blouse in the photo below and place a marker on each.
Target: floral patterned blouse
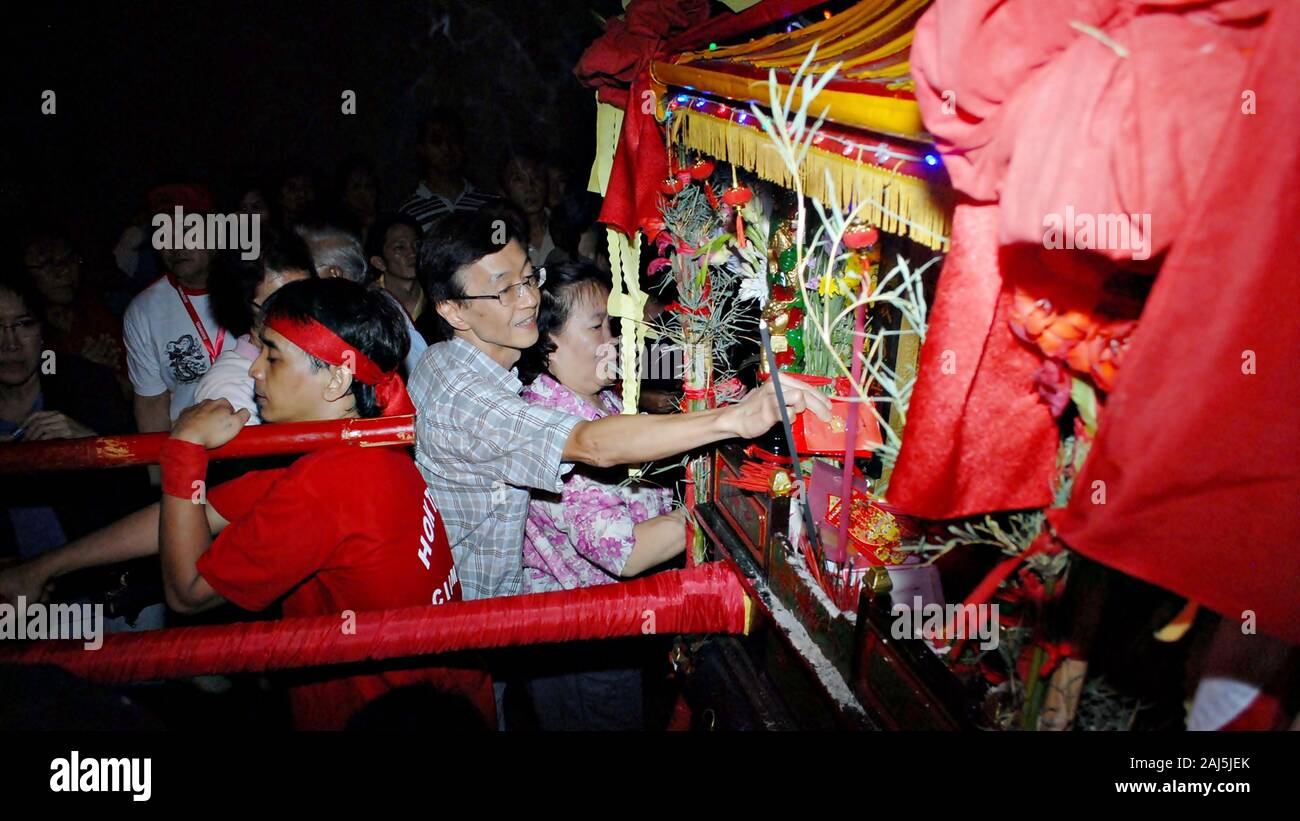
(583, 536)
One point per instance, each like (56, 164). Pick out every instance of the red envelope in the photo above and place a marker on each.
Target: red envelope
(874, 532)
(813, 437)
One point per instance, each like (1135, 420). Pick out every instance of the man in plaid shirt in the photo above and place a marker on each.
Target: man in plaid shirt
(481, 447)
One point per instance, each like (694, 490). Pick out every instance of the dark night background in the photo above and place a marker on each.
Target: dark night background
(150, 92)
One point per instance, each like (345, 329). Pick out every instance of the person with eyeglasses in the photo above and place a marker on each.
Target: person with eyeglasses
(45, 396)
(481, 447)
(29, 370)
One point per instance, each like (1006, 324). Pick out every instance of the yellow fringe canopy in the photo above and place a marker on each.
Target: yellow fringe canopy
(877, 155)
(869, 43)
(899, 203)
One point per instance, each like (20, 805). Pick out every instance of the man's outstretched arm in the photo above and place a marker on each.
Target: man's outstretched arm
(627, 439)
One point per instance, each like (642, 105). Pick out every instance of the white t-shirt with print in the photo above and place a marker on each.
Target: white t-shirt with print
(164, 351)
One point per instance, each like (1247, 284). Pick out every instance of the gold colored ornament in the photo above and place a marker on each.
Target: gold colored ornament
(877, 580)
(777, 316)
(780, 484)
(782, 239)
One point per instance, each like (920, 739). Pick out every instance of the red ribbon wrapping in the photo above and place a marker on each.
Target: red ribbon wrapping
(96, 452)
(182, 463)
(728, 389)
(327, 346)
(705, 599)
(678, 308)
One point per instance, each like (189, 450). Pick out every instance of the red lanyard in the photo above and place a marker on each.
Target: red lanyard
(198, 323)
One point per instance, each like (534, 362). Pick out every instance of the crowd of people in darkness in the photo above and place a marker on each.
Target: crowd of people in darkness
(481, 312)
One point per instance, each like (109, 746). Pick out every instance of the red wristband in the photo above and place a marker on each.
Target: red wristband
(183, 463)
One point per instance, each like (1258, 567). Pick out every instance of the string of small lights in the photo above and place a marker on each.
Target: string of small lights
(894, 155)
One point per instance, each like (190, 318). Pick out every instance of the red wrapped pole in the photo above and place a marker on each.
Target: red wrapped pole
(704, 599)
(258, 440)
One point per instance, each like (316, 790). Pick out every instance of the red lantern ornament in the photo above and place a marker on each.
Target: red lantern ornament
(737, 196)
(860, 237)
(671, 187)
(702, 170)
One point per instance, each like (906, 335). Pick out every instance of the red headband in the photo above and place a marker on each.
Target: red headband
(329, 347)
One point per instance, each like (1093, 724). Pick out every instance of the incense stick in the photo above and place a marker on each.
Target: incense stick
(809, 524)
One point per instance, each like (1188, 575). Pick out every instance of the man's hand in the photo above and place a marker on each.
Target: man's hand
(53, 425)
(211, 423)
(759, 411)
(25, 579)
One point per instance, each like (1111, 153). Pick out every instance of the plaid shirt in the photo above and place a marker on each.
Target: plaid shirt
(480, 447)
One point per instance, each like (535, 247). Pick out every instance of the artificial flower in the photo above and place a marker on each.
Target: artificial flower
(1052, 383)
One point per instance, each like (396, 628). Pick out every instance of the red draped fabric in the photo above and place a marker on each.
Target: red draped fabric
(1180, 110)
(1198, 452)
(617, 65)
(977, 436)
(1095, 106)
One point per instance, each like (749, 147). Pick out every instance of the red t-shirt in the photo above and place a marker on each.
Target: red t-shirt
(345, 528)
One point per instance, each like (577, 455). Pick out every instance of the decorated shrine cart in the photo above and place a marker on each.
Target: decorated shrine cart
(783, 192)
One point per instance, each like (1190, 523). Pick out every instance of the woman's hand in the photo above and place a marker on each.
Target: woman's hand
(656, 541)
(759, 411)
(211, 423)
(53, 425)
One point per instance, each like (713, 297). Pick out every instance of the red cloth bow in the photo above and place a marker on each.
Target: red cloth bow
(617, 65)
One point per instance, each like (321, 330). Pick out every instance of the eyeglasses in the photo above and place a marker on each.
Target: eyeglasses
(510, 295)
(23, 327)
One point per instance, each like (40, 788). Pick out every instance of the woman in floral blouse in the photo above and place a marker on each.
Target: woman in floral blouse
(600, 528)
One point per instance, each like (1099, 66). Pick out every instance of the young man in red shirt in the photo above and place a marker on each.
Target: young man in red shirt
(342, 529)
